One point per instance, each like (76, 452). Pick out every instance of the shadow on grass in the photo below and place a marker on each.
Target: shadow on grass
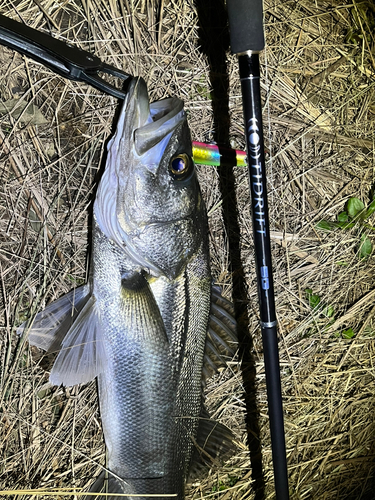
(214, 40)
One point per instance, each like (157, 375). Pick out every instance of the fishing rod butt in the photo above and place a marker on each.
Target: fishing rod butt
(246, 25)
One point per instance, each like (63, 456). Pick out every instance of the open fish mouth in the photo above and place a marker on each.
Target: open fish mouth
(145, 123)
(165, 115)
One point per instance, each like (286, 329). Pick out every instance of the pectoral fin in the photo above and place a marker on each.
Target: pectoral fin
(70, 326)
(82, 355)
(50, 326)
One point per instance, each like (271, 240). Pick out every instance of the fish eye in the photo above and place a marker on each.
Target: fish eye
(180, 166)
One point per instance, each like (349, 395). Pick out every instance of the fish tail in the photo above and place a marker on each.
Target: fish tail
(107, 483)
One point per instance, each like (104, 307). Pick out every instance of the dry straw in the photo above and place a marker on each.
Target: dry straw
(320, 112)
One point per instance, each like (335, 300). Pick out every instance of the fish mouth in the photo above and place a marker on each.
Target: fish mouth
(165, 116)
(150, 122)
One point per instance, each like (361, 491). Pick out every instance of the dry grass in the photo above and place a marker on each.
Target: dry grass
(319, 118)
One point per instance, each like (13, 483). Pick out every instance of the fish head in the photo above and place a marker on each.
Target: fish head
(149, 201)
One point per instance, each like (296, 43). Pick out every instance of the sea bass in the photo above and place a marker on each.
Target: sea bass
(140, 323)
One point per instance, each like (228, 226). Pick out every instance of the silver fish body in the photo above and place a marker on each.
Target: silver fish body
(140, 323)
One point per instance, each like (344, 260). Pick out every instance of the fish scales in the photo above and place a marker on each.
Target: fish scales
(139, 325)
(136, 390)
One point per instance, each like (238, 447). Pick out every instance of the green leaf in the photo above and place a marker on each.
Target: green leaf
(313, 298)
(348, 334)
(232, 480)
(342, 217)
(314, 301)
(78, 281)
(366, 247)
(344, 225)
(370, 210)
(330, 226)
(326, 225)
(355, 205)
(369, 331)
(329, 311)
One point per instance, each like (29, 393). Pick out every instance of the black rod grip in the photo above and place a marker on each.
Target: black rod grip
(246, 25)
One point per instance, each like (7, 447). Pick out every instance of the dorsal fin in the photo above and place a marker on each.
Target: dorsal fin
(214, 444)
(221, 342)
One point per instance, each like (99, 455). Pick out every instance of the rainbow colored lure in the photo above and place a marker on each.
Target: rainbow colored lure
(211, 154)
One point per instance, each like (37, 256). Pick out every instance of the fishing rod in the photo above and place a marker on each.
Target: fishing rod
(247, 41)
